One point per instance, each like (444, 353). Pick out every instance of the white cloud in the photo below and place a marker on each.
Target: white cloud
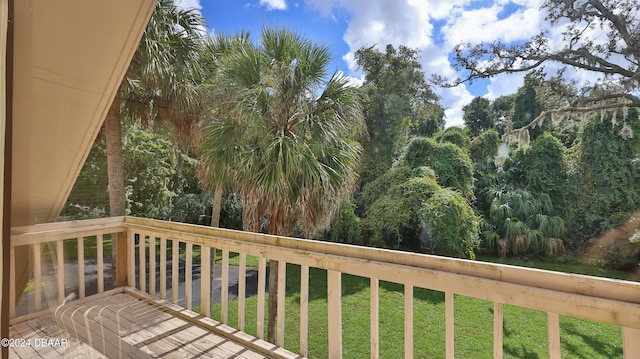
(454, 99)
(274, 4)
(189, 5)
(504, 84)
(193, 5)
(380, 22)
(435, 27)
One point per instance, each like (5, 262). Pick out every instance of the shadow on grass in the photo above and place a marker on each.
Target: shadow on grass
(351, 285)
(604, 349)
(521, 352)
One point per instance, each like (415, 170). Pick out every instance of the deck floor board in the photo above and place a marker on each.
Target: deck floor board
(121, 325)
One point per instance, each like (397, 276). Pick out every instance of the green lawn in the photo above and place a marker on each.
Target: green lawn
(525, 333)
(571, 265)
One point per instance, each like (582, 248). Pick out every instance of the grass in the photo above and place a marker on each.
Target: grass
(70, 247)
(572, 265)
(31, 287)
(525, 330)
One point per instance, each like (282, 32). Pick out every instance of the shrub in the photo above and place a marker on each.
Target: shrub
(451, 164)
(451, 223)
(456, 135)
(392, 220)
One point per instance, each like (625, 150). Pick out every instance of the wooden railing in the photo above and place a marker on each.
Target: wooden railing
(33, 242)
(603, 300)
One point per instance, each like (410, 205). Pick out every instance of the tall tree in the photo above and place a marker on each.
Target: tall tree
(160, 83)
(599, 36)
(398, 103)
(215, 50)
(477, 116)
(284, 135)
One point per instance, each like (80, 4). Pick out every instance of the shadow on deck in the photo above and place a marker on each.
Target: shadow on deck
(127, 323)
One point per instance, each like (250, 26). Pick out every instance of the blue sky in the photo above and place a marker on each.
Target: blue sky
(432, 26)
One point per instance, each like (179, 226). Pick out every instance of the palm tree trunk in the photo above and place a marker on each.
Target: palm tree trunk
(115, 173)
(217, 204)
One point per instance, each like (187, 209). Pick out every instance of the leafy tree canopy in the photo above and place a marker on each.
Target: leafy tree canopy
(456, 135)
(599, 36)
(281, 132)
(451, 164)
(477, 116)
(399, 103)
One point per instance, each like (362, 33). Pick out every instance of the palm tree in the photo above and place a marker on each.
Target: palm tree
(159, 84)
(283, 136)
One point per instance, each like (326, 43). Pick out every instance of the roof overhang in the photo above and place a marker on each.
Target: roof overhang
(69, 59)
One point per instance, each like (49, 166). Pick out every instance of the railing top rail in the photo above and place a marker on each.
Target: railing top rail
(39, 233)
(605, 288)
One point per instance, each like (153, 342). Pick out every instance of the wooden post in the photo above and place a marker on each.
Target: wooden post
(120, 259)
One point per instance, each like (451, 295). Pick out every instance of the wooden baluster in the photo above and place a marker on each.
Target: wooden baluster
(553, 332)
(37, 276)
(334, 293)
(100, 261)
(242, 284)
(81, 284)
(205, 281)
(304, 310)
(175, 270)
(12, 283)
(142, 263)
(408, 321)
(262, 275)
(152, 264)
(375, 336)
(498, 323)
(224, 288)
(449, 334)
(631, 343)
(188, 292)
(60, 273)
(282, 281)
(163, 268)
(131, 258)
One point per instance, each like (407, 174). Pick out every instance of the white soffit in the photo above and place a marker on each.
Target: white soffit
(69, 59)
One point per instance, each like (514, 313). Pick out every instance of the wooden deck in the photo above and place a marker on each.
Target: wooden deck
(131, 324)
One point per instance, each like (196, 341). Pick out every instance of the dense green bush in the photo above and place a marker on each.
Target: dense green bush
(392, 220)
(542, 169)
(452, 166)
(607, 174)
(345, 226)
(375, 189)
(451, 223)
(456, 135)
(521, 222)
(484, 146)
